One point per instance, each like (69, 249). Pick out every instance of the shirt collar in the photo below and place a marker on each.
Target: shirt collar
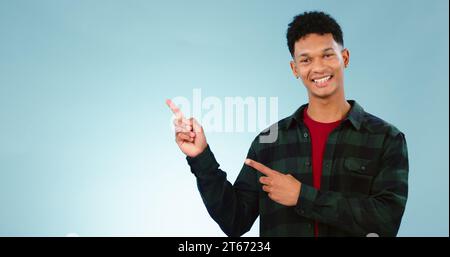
(355, 115)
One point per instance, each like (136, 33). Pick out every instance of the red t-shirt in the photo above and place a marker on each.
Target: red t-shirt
(319, 134)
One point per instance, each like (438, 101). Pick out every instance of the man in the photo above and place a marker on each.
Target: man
(334, 170)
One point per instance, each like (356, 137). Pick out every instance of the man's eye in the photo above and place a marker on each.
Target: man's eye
(328, 55)
(304, 61)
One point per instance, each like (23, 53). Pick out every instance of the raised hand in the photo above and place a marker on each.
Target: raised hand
(189, 134)
(281, 188)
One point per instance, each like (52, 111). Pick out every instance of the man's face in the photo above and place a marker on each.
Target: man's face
(320, 61)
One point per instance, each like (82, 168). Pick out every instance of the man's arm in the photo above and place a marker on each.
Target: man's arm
(233, 207)
(379, 213)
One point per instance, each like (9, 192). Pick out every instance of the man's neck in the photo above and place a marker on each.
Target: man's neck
(327, 110)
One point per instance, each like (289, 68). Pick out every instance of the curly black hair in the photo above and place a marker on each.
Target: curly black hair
(312, 22)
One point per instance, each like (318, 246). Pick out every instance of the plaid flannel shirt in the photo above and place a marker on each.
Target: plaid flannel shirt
(364, 181)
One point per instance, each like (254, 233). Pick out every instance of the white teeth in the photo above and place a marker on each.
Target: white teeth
(322, 80)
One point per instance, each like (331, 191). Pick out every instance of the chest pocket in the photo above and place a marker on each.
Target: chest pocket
(358, 175)
(360, 166)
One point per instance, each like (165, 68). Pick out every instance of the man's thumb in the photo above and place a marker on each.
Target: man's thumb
(196, 126)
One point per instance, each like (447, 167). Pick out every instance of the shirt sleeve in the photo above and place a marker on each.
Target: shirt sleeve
(234, 207)
(380, 212)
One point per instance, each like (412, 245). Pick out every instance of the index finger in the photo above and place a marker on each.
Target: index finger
(260, 167)
(174, 109)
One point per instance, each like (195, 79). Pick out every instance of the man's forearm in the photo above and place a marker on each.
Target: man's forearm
(232, 208)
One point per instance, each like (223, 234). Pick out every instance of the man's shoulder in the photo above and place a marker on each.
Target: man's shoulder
(282, 124)
(377, 125)
(372, 123)
(273, 135)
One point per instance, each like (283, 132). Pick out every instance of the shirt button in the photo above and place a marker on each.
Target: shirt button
(305, 135)
(363, 167)
(307, 163)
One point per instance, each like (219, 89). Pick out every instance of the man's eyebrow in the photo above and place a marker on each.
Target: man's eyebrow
(328, 49)
(303, 55)
(307, 55)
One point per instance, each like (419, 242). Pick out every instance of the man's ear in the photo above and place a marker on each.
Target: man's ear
(294, 68)
(346, 57)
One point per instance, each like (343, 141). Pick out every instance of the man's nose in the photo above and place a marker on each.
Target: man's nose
(317, 66)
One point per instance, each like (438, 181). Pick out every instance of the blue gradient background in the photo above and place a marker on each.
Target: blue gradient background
(85, 145)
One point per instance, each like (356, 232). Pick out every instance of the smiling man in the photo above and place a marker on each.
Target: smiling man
(334, 170)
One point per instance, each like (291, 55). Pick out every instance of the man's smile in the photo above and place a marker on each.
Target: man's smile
(322, 81)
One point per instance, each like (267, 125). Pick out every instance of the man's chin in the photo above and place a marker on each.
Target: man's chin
(323, 94)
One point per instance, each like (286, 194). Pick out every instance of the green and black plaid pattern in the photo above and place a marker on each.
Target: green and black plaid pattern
(363, 190)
